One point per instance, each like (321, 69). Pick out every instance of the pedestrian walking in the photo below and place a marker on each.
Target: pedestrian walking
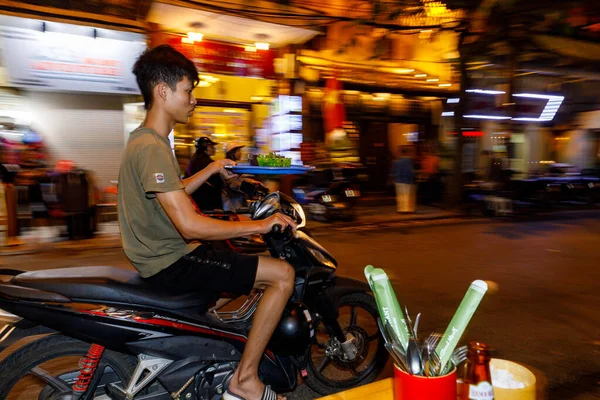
(403, 176)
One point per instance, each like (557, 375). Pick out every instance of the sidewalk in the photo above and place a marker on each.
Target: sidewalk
(368, 218)
(47, 239)
(384, 214)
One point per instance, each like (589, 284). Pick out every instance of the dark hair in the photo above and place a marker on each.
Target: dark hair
(162, 64)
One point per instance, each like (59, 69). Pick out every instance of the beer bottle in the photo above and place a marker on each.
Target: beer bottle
(478, 379)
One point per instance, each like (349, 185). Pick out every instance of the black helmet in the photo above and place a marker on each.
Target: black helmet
(203, 142)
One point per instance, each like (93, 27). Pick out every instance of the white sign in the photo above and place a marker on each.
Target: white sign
(67, 62)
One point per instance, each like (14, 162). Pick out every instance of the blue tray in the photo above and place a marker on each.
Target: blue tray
(250, 169)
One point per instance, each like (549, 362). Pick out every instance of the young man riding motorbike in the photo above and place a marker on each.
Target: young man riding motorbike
(157, 219)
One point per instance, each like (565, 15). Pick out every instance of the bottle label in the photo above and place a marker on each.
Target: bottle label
(483, 391)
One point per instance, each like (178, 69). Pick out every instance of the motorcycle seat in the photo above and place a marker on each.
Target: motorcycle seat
(111, 285)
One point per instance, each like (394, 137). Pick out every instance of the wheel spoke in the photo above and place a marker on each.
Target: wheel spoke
(57, 384)
(353, 316)
(323, 364)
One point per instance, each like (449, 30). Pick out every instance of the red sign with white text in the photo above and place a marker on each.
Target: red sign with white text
(227, 59)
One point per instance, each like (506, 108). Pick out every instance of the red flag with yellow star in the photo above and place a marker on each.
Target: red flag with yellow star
(334, 113)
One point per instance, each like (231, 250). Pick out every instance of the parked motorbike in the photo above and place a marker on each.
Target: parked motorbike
(329, 193)
(113, 336)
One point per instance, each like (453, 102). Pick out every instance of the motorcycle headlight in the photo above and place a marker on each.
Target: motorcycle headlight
(301, 215)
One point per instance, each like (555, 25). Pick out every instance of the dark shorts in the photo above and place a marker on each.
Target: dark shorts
(213, 268)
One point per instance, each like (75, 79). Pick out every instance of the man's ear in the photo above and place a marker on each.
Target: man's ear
(160, 91)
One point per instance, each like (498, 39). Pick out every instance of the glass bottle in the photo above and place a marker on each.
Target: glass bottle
(478, 379)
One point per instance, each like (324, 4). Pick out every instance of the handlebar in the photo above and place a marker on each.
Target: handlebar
(277, 228)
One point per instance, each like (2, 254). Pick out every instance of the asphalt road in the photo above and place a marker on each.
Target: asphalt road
(545, 312)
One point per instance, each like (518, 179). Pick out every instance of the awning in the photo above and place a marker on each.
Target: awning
(390, 76)
(226, 27)
(125, 15)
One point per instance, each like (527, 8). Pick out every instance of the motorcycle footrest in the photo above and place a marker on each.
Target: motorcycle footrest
(115, 392)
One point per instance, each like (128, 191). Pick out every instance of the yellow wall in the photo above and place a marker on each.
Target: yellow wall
(234, 88)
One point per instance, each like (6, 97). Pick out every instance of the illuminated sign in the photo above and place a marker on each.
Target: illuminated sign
(225, 58)
(61, 61)
(528, 107)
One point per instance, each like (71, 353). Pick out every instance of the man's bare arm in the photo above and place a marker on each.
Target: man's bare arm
(192, 183)
(191, 225)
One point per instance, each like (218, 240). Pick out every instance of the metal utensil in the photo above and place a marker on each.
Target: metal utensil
(414, 357)
(401, 355)
(392, 336)
(398, 360)
(411, 331)
(429, 352)
(417, 325)
(459, 355)
(386, 338)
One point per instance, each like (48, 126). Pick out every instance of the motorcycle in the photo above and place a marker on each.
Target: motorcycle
(133, 341)
(329, 193)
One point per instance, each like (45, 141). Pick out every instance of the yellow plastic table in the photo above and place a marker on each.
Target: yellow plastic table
(380, 390)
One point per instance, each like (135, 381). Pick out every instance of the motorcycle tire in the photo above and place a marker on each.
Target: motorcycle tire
(18, 364)
(319, 383)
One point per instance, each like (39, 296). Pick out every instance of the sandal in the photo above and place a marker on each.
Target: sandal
(268, 394)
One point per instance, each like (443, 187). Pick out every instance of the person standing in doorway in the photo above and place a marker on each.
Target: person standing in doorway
(403, 176)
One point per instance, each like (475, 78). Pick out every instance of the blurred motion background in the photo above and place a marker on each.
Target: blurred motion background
(494, 102)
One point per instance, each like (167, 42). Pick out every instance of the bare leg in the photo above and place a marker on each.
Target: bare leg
(276, 278)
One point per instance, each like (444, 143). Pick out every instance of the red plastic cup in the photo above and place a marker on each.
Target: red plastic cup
(413, 387)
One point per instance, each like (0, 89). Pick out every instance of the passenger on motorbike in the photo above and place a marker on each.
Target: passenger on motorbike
(157, 219)
(237, 187)
(208, 195)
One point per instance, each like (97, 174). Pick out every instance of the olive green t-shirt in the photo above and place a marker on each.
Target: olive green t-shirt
(150, 240)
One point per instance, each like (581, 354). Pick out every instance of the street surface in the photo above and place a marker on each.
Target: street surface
(544, 314)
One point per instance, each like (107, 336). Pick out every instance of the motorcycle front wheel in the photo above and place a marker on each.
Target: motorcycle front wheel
(47, 368)
(329, 374)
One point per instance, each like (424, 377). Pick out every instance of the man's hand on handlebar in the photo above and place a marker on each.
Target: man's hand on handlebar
(277, 219)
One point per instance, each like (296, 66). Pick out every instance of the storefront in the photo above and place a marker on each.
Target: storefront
(68, 84)
(376, 126)
(240, 62)
(508, 134)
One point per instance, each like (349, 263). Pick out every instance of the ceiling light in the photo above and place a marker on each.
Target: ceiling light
(251, 49)
(433, 80)
(229, 110)
(448, 114)
(549, 110)
(209, 78)
(195, 36)
(203, 84)
(186, 40)
(445, 85)
(261, 46)
(477, 116)
(420, 75)
(453, 100)
(480, 91)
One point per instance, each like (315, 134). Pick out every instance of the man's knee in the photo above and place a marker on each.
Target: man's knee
(288, 277)
(276, 273)
(284, 278)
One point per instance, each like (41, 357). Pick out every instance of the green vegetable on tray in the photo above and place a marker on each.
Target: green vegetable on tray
(273, 160)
